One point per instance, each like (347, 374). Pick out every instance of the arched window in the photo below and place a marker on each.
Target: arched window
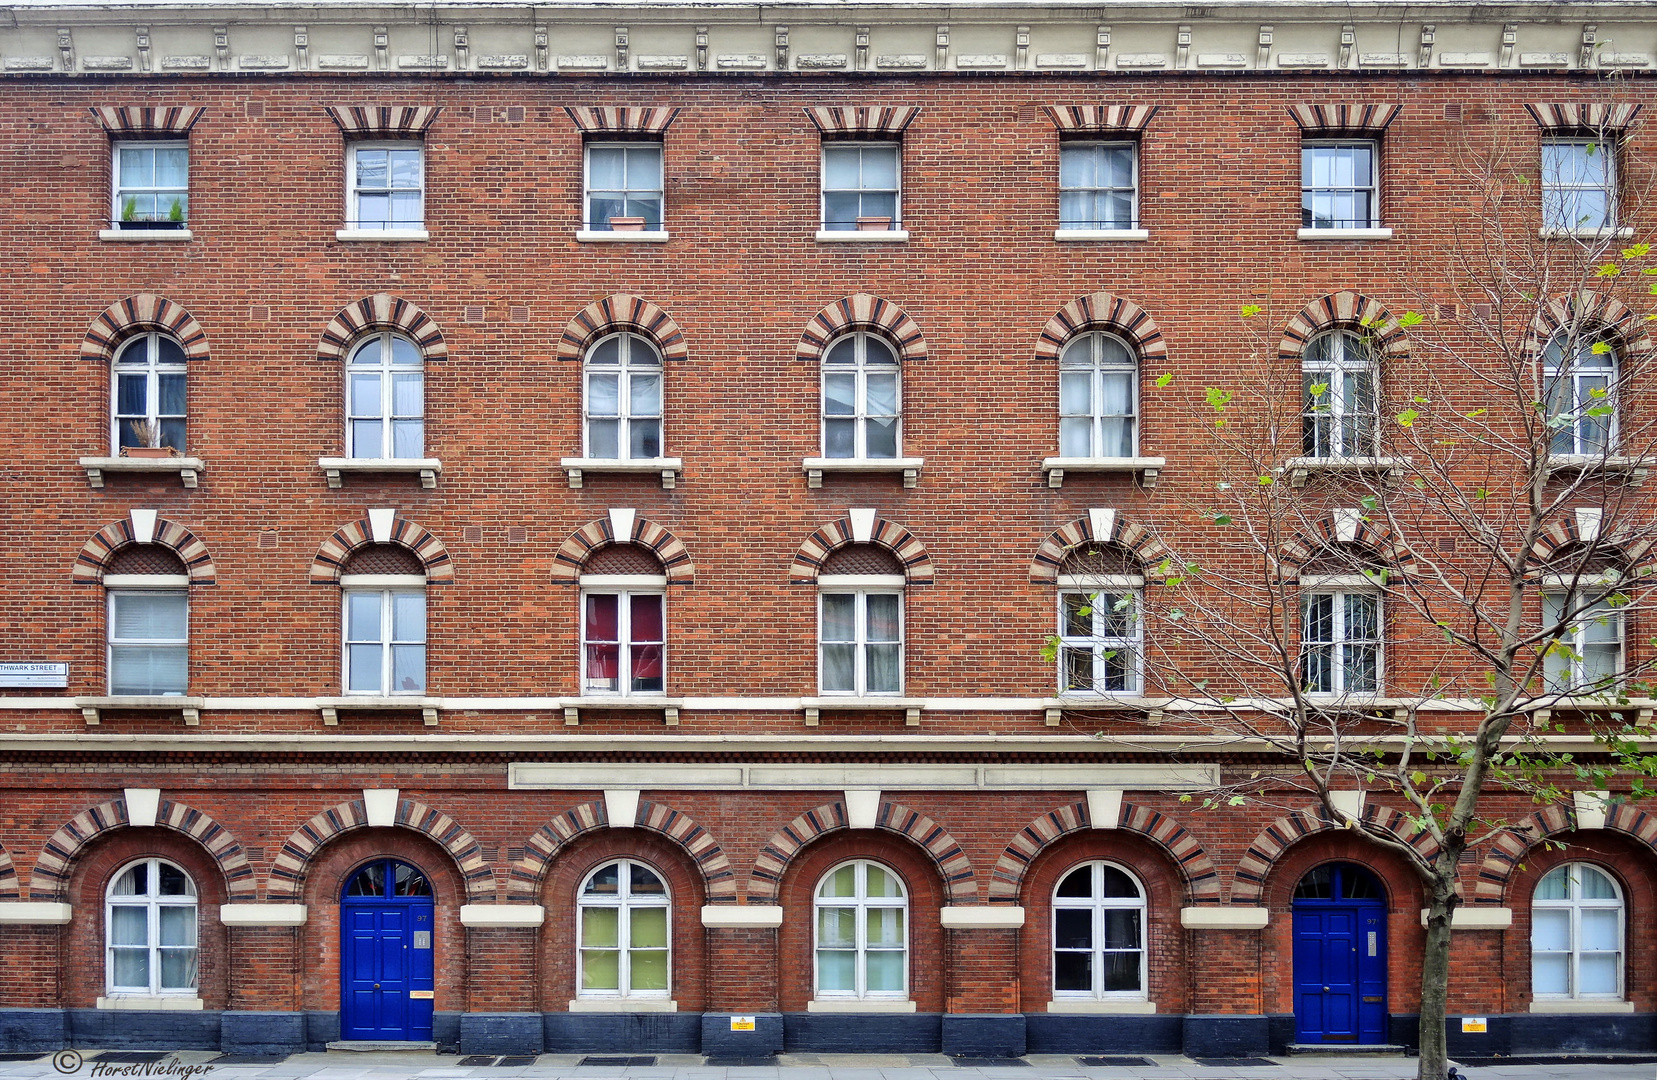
(862, 933)
(384, 595)
(1101, 626)
(1098, 934)
(148, 622)
(862, 399)
(148, 400)
(1339, 384)
(388, 877)
(1098, 398)
(623, 950)
(150, 920)
(1579, 376)
(1576, 934)
(623, 622)
(385, 399)
(624, 399)
(860, 622)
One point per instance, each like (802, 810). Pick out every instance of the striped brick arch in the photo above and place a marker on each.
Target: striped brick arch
(1584, 116)
(1197, 870)
(953, 866)
(1102, 311)
(1373, 537)
(885, 121)
(616, 313)
(1323, 118)
(1129, 535)
(126, 121)
(50, 879)
(861, 311)
(808, 561)
(1100, 119)
(1586, 314)
(1249, 881)
(382, 311)
(332, 555)
(718, 879)
(619, 120)
(11, 889)
(1510, 848)
(287, 872)
(97, 552)
(140, 314)
(382, 121)
(1628, 546)
(1344, 310)
(591, 537)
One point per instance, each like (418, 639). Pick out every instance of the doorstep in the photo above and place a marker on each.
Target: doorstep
(388, 1046)
(1347, 1049)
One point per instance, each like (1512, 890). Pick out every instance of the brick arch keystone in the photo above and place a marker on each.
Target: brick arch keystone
(292, 863)
(96, 552)
(1509, 850)
(953, 866)
(718, 879)
(332, 555)
(1249, 881)
(1345, 310)
(382, 311)
(50, 879)
(1136, 538)
(1102, 311)
(574, 552)
(1375, 537)
(139, 314)
(808, 561)
(861, 311)
(1197, 871)
(617, 313)
(1589, 310)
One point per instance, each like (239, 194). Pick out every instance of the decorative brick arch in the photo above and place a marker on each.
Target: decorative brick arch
(1197, 870)
(11, 889)
(1374, 536)
(1249, 881)
(96, 552)
(334, 552)
(953, 866)
(617, 313)
(1510, 848)
(1345, 310)
(861, 311)
(140, 314)
(718, 879)
(382, 311)
(917, 564)
(1102, 311)
(287, 872)
(1566, 532)
(50, 879)
(574, 552)
(1589, 311)
(1135, 538)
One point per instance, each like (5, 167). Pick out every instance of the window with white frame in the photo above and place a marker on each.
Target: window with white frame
(1579, 377)
(1098, 185)
(1340, 642)
(1099, 935)
(623, 948)
(1588, 656)
(150, 922)
(861, 186)
(1340, 403)
(1098, 397)
(1576, 935)
(624, 399)
(149, 640)
(385, 186)
(860, 635)
(1338, 188)
(1100, 635)
(623, 641)
(862, 399)
(624, 186)
(862, 933)
(149, 399)
(151, 185)
(1579, 184)
(385, 635)
(385, 399)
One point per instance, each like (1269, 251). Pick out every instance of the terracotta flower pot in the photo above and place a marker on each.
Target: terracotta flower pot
(148, 452)
(627, 224)
(874, 224)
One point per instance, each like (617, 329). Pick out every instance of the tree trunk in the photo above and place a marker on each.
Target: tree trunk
(1435, 970)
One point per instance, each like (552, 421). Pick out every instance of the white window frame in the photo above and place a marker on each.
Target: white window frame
(824, 190)
(862, 587)
(152, 902)
(353, 193)
(1552, 188)
(118, 194)
(135, 585)
(1098, 368)
(860, 903)
(625, 903)
(589, 224)
(624, 588)
(1338, 588)
(1600, 587)
(1308, 220)
(1090, 587)
(1557, 366)
(860, 415)
(624, 369)
(1575, 907)
(153, 368)
(387, 371)
(1099, 145)
(386, 587)
(1348, 355)
(1098, 905)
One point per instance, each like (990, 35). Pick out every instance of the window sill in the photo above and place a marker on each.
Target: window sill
(1148, 467)
(1119, 701)
(1070, 236)
(1344, 234)
(1623, 232)
(337, 467)
(164, 1002)
(400, 236)
(576, 468)
(332, 707)
(815, 467)
(1300, 469)
(623, 1005)
(816, 706)
(601, 236)
(188, 469)
(1634, 468)
(1580, 1006)
(1102, 1008)
(175, 236)
(668, 707)
(92, 708)
(859, 236)
(858, 1005)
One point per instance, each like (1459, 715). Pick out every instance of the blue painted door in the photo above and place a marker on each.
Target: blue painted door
(386, 957)
(1340, 957)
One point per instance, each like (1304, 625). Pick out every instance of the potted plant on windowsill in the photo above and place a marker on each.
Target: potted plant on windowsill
(148, 435)
(874, 224)
(132, 219)
(627, 224)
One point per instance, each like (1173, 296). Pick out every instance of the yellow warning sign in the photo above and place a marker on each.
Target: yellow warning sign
(742, 1023)
(1474, 1025)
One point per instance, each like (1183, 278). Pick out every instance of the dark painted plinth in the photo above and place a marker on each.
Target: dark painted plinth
(614, 1032)
(321, 1028)
(500, 1033)
(863, 1033)
(261, 1032)
(718, 1040)
(1075, 1033)
(1226, 1036)
(983, 1034)
(23, 1030)
(144, 1029)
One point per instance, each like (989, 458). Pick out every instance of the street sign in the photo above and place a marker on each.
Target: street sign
(41, 673)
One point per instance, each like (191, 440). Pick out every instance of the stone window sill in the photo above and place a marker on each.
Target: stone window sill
(1300, 469)
(816, 706)
(1554, 232)
(130, 236)
(856, 1005)
(815, 467)
(332, 707)
(1344, 234)
(92, 708)
(187, 469)
(858, 236)
(1102, 1008)
(603, 236)
(384, 235)
(166, 1002)
(337, 467)
(1634, 468)
(668, 707)
(577, 468)
(1070, 236)
(623, 1005)
(1148, 468)
(1581, 1006)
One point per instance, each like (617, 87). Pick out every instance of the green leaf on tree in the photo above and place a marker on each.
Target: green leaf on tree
(1411, 318)
(1165, 378)
(1249, 311)
(1408, 417)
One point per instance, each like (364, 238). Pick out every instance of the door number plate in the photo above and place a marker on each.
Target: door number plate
(423, 940)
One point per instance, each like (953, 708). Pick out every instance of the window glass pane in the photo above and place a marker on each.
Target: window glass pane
(836, 927)
(1594, 886)
(648, 928)
(1598, 972)
(603, 617)
(1121, 971)
(1555, 885)
(840, 211)
(362, 616)
(877, 204)
(1073, 971)
(408, 617)
(1118, 884)
(884, 927)
(642, 881)
(647, 969)
(408, 668)
(882, 883)
(173, 883)
(364, 662)
(138, 166)
(646, 616)
(172, 394)
(603, 395)
(604, 439)
(407, 393)
(880, 166)
(883, 665)
(1073, 929)
(133, 883)
(644, 438)
(129, 926)
(151, 616)
(882, 393)
(408, 438)
(836, 970)
(178, 926)
(1550, 930)
(839, 668)
(405, 208)
(365, 394)
(405, 168)
(605, 168)
(1122, 929)
(1600, 929)
(883, 617)
(366, 438)
(132, 968)
(1079, 166)
(843, 882)
(840, 394)
(600, 969)
(885, 970)
(882, 438)
(647, 668)
(178, 969)
(840, 167)
(131, 395)
(172, 167)
(1077, 883)
(605, 882)
(645, 397)
(839, 616)
(600, 927)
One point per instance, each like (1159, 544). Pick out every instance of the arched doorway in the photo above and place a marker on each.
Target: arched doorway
(1340, 956)
(385, 987)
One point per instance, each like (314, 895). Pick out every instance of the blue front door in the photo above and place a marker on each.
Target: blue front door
(386, 988)
(1340, 956)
